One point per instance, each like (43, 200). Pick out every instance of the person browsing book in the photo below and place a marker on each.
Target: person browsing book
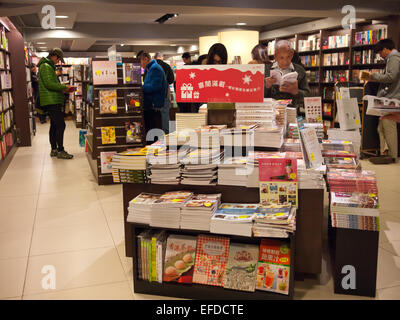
(154, 91)
(285, 79)
(51, 95)
(389, 88)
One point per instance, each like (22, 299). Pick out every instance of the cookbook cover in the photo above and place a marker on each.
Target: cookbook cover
(108, 101)
(211, 259)
(179, 258)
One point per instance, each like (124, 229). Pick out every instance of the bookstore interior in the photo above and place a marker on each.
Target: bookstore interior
(264, 185)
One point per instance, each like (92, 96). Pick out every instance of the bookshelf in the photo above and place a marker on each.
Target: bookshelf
(29, 91)
(334, 55)
(119, 120)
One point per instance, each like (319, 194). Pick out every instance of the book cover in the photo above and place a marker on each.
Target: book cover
(106, 159)
(108, 135)
(348, 114)
(104, 72)
(131, 73)
(241, 268)
(278, 181)
(108, 101)
(273, 268)
(180, 257)
(133, 132)
(313, 109)
(132, 101)
(211, 258)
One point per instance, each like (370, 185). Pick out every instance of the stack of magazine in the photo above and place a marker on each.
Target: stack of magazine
(261, 114)
(234, 218)
(233, 172)
(200, 167)
(140, 207)
(348, 180)
(130, 166)
(240, 136)
(207, 137)
(166, 211)
(311, 178)
(291, 145)
(355, 210)
(197, 212)
(274, 221)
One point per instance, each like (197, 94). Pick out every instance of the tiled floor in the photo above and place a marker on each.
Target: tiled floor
(54, 214)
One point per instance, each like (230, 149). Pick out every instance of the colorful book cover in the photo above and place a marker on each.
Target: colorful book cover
(133, 132)
(179, 258)
(273, 268)
(108, 135)
(241, 268)
(278, 181)
(108, 101)
(104, 72)
(211, 259)
(131, 73)
(106, 160)
(313, 109)
(132, 101)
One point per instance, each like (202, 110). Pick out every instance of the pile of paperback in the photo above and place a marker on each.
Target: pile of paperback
(190, 121)
(291, 115)
(274, 221)
(164, 166)
(355, 210)
(291, 145)
(233, 172)
(166, 211)
(139, 209)
(240, 136)
(293, 131)
(343, 180)
(310, 178)
(261, 114)
(343, 145)
(234, 218)
(342, 162)
(268, 137)
(208, 137)
(353, 136)
(197, 212)
(130, 166)
(200, 167)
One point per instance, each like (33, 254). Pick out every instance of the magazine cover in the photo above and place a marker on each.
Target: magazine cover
(106, 159)
(313, 109)
(104, 72)
(131, 73)
(133, 132)
(273, 268)
(132, 101)
(108, 101)
(211, 258)
(241, 268)
(179, 258)
(278, 181)
(108, 135)
(348, 114)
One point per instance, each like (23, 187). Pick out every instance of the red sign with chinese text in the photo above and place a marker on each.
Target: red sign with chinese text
(220, 83)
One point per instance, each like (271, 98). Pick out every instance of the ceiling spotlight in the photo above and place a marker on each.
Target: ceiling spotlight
(60, 27)
(62, 17)
(40, 42)
(166, 17)
(122, 44)
(241, 23)
(172, 45)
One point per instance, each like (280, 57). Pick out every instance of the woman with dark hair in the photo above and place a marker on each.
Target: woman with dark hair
(202, 59)
(260, 55)
(217, 54)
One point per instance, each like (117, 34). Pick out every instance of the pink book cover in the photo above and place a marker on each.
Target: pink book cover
(104, 72)
(279, 170)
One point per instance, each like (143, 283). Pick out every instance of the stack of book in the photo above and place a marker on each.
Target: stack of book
(353, 136)
(139, 209)
(280, 108)
(291, 145)
(175, 139)
(262, 114)
(268, 137)
(310, 178)
(344, 145)
(164, 166)
(348, 180)
(233, 172)
(341, 163)
(166, 211)
(293, 131)
(253, 166)
(291, 115)
(190, 121)
(274, 221)
(354, 211)
(130, 166)
(234, 218)
(338, 153)
(200, 167)
(208, 137)
(240, 136)
(196, 213)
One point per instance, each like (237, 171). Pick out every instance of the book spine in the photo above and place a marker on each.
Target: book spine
(153, 259)
(139, 258)
(149, 257)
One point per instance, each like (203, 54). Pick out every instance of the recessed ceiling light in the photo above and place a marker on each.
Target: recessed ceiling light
(60, 27)
(43, 47)
(241, 23)
(172, 45)
(40, 42)
(62, 17)
(122, 44)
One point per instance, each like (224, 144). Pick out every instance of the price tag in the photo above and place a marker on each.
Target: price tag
(292, 176)
(372, 195)
(98, 72)
(137, 104)
(280, 214)
(207, 204)
(129, 133)
(312, 156)
(347, 159)
(357, 122)
(113, 108)
(127, 79)
(346, 142)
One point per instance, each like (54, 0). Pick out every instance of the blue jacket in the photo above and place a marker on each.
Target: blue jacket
(154, 86)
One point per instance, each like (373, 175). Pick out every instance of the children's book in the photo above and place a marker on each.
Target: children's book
(108, 135)
(106, 159)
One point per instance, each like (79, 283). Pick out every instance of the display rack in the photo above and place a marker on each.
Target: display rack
(29, 91)
(77, 96)
(96, 121)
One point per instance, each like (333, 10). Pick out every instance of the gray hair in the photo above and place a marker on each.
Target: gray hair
(158, 55)
(282, 44)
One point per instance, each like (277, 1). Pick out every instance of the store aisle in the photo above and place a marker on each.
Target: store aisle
(54, 214)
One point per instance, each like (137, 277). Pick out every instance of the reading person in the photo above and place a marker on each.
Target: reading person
(281, 81)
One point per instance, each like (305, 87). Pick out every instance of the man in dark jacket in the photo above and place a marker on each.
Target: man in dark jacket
(51, 93)
(296, 90)
(154, 91)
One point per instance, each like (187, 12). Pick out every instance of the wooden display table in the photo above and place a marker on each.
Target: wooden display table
(308, 243)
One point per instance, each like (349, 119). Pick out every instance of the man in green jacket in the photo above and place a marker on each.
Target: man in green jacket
(51, 94)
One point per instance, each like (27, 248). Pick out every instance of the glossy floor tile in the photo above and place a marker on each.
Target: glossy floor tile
(54, 217)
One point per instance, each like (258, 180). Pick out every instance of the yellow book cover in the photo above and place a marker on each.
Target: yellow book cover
(108, 135)
(153, 258)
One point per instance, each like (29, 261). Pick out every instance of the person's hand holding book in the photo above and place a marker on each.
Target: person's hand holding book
(290, 87)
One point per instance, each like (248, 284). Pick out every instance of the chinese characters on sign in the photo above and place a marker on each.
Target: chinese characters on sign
(220, 83)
